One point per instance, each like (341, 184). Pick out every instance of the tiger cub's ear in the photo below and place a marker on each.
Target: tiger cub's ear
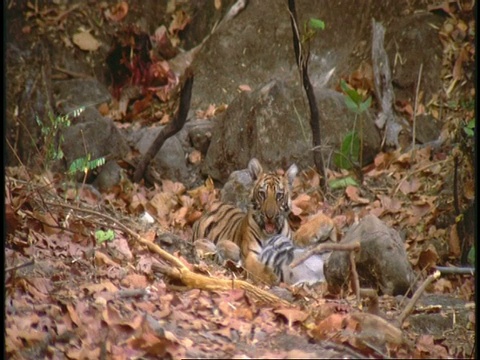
(255, 168)
(291, 173)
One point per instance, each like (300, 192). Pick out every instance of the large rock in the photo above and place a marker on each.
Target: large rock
(259, 124)
(381, 263)
(267, 124)
(102, 138)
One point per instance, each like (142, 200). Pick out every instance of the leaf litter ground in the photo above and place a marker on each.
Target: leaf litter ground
(68, 296)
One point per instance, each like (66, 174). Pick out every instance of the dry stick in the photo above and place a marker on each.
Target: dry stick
(322, 248)
(456, 270)
(72, 73)
(170, 129)
(414, 132)
(355, 280)
(411, 304)
(19, 266)
(181, 271)
(302, 63)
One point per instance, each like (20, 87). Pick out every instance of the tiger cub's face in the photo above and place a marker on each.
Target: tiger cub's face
(270, 197)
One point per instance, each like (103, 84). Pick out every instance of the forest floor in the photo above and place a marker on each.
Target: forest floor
(82, 279)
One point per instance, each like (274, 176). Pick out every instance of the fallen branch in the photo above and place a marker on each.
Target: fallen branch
(170, 129)
(456, 270)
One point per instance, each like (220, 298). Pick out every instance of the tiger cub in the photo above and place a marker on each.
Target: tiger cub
(280, 251)
(267, 215)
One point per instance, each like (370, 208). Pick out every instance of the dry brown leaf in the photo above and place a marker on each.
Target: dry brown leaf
(117, 12)
(389, 204)
(173, 187)
(425, 344)
(49, 222)
(85, 41)
(419, 211)
(292, 315)
(410, 186)
(318, 228)
(328, 326)
(454, 242)
(73, 314)
(135, 281)
(353, 194)
(106, 285)
(103, 259)
(428, 258)
(121, 245)
(458, 66)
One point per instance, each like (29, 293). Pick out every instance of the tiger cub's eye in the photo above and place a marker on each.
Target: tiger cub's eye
(261, 194)
(279, 196)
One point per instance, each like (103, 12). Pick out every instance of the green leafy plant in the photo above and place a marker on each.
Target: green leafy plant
(349, 151)
(51, 131)
(85, 164)
(342, 183)
(351, 148)
(102, 236)
(470, 128)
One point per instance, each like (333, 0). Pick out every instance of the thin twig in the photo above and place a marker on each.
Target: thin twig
(72, 73)
(414, 132)
(411, 304)
(19, 266)
(355, 280)
(320, 248)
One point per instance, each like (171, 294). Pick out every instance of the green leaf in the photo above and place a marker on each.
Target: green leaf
(469, 131)
(349, 151)
(85, 164)
(351, 105)
(102, 236)
(471, 256)
(365, 105)
(342, 183)
(316, 24)
(352, 93)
